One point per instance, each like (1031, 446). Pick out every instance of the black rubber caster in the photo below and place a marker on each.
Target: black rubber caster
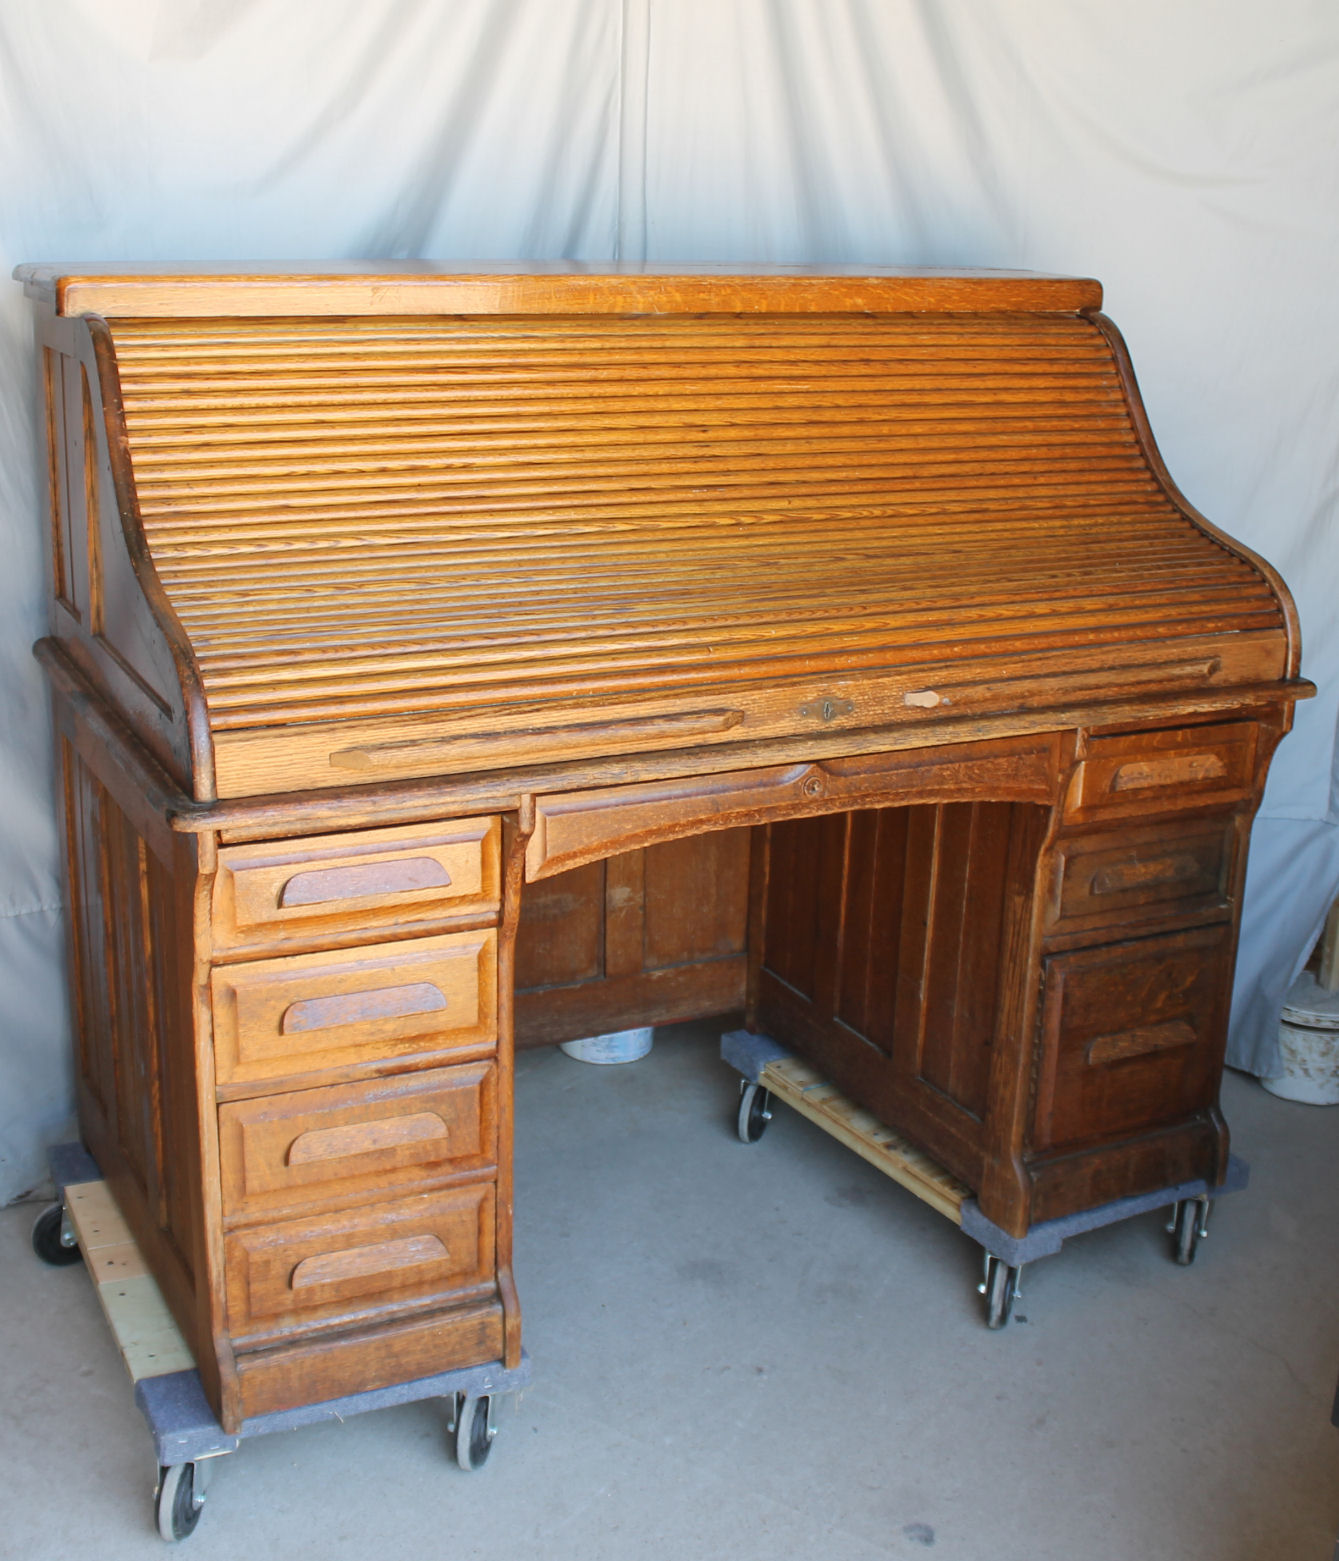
(178, 1501)
(53, 1241)
(1000, 1288)
(1189, 1226)
(755, 1112)
(474, 1431)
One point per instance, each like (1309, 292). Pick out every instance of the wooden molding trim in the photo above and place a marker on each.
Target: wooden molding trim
(584, 826)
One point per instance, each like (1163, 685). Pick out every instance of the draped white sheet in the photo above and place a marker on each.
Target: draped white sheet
(1188, 155)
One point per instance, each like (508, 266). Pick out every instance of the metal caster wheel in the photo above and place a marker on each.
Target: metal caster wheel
(178, 1501)
(1189, 1226)
(1000, 1288)
(474, 1431)
(54, 1239)
(755, 1112)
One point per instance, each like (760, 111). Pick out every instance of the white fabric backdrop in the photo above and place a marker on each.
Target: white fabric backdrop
(1186, 154)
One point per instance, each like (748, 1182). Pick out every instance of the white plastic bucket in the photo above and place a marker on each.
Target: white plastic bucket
(617, 1046)
(1308, 1045)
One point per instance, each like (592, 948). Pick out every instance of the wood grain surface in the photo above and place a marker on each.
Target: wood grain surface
(550, 536)
(530, 287)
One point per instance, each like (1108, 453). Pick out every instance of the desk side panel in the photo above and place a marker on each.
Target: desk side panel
(107, 608)
(133, 895)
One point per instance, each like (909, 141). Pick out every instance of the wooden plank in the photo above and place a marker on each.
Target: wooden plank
(95, 1216)
(115, 1262)
(805, 1091)
(533, 287)
(146, 1335)
(150, 1342)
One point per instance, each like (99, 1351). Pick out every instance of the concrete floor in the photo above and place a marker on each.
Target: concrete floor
(769, 1352)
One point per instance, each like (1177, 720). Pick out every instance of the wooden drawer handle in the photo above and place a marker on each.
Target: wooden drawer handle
(1173, 771)
(363, 880)
(1140, 1043)
(1138, 875)
(690, 723)
(340, 1143)
(387, 1002)
(358, 1262)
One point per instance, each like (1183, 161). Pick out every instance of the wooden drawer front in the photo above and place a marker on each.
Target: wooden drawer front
(1178, 869)
(374, 877)
(356, 1141)
(330, 1366)
(315, 1012)
(302, 1274)
(1142, 772)
(1132, 1035)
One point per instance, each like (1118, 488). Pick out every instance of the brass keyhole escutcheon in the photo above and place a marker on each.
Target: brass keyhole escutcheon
(827, 709)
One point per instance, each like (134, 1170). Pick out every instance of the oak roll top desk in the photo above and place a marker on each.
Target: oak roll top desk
(380, 592)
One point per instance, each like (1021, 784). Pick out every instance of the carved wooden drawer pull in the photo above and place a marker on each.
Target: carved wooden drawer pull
(340, 1143)
(1140, 1043)
(364, 879)
(1138, 875)
(359, 1262)
(578, 735)
(390, 1002)
(1175, 770)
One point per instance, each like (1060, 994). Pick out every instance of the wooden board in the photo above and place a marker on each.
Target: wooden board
(812, 1096)
(238, 290)
(150, 1342)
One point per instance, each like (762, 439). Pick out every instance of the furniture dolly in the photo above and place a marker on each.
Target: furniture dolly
(187, 1437)
(384, 596)
(768, 1072)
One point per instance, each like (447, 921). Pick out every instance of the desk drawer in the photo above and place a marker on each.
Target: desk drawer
(1174, 869)
(329, 884)
(336, 1269)
(323, 1366)
(1146, 772)
(355, 1142)
(314, 1013)
(1132, 1035)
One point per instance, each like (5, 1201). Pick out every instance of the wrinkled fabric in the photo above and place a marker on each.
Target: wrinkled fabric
(1186, 155)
